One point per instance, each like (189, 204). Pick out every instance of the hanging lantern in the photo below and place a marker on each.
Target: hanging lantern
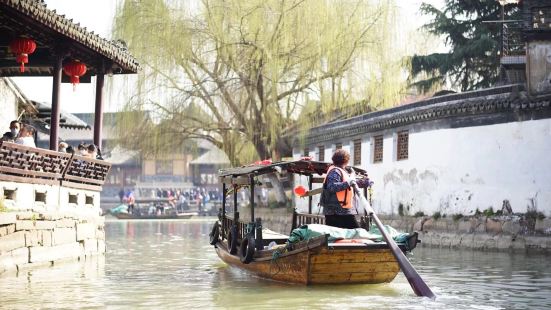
(21, 48)
(74, 69)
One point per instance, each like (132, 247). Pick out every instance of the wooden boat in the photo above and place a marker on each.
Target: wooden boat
(142, 206)
(315, 261)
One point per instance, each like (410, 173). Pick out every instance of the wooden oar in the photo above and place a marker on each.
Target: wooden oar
(417, 284)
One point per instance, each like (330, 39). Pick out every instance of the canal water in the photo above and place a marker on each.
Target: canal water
(169, 265)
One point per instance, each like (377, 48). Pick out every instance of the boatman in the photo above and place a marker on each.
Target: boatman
(337, 196)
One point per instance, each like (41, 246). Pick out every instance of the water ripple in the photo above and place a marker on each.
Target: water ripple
(156, 264)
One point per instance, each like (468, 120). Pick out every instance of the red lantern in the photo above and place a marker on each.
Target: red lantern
(300, 190)
(21, 48)
(74, 69)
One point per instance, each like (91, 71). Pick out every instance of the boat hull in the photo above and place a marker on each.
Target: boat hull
(320, 263)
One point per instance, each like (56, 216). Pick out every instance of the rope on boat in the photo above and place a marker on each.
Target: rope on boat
(278, 252)
(275, 256)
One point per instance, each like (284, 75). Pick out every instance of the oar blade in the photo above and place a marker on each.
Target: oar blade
(415, 281)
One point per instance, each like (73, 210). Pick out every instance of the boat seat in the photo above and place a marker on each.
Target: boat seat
(270, 235)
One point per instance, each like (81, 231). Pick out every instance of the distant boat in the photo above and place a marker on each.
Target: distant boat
(127, 216)
(159, 213)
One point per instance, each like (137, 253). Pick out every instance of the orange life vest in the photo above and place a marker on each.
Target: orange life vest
(344, 197)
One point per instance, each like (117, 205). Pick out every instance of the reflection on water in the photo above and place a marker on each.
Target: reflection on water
(169, 264)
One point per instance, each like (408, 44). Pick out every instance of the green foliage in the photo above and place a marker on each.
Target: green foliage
(473, 59)
(456, 217)
(419, 214)
(489, 212)
(238, 73)
(437, 215)
(477, 212)
(3, 207)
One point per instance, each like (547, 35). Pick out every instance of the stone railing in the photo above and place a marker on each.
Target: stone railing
(39, 166)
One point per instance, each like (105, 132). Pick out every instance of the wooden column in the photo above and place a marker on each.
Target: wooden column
(98, 116)
(310, 181)
(251, 178)
(54, 117)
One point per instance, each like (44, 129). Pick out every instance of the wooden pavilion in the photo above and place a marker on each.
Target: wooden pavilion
(58, 42)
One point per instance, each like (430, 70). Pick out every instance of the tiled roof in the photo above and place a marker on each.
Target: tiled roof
(49, 19)
(474, 104)
(215, 156)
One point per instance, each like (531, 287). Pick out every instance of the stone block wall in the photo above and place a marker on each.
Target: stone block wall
(516, 233)
(29, 238)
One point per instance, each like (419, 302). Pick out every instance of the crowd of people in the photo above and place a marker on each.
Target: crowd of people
(180, 200)
(24, 134)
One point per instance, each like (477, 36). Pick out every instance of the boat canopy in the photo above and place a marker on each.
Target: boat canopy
(302, 166)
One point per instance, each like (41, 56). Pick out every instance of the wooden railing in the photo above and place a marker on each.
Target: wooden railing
(241, 227)
(31, 165)
(86, 173)
(25, 164)
(300, 219)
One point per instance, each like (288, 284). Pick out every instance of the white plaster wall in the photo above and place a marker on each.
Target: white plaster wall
(366, 150)
(57, 198)
(460, 170)
(8, 106)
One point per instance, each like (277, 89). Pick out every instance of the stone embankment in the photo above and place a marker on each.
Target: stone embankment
(29, 239)
(498, 233)
(520, 233)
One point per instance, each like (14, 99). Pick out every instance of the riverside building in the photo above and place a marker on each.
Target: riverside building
(49, 200)
(462, 152)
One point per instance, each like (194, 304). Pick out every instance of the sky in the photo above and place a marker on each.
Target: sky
(97, 16)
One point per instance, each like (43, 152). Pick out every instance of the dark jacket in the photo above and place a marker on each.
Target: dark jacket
(334, 183)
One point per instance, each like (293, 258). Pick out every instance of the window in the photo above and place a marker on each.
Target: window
(378, 149)
(73, 198)
(9, 194)
(357, 152)
(306, 152)
(541, 18)
(402, 145)
(89, 200)
(321, 156)
(40, 197)
(163, 167)
(338, 146)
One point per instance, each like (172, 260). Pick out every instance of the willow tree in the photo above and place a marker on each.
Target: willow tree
(237, 73)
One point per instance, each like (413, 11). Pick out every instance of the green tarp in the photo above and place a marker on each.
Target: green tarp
(119, 209)
(309, 231)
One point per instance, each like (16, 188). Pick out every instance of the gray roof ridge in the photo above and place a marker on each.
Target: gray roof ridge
(421, 105)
